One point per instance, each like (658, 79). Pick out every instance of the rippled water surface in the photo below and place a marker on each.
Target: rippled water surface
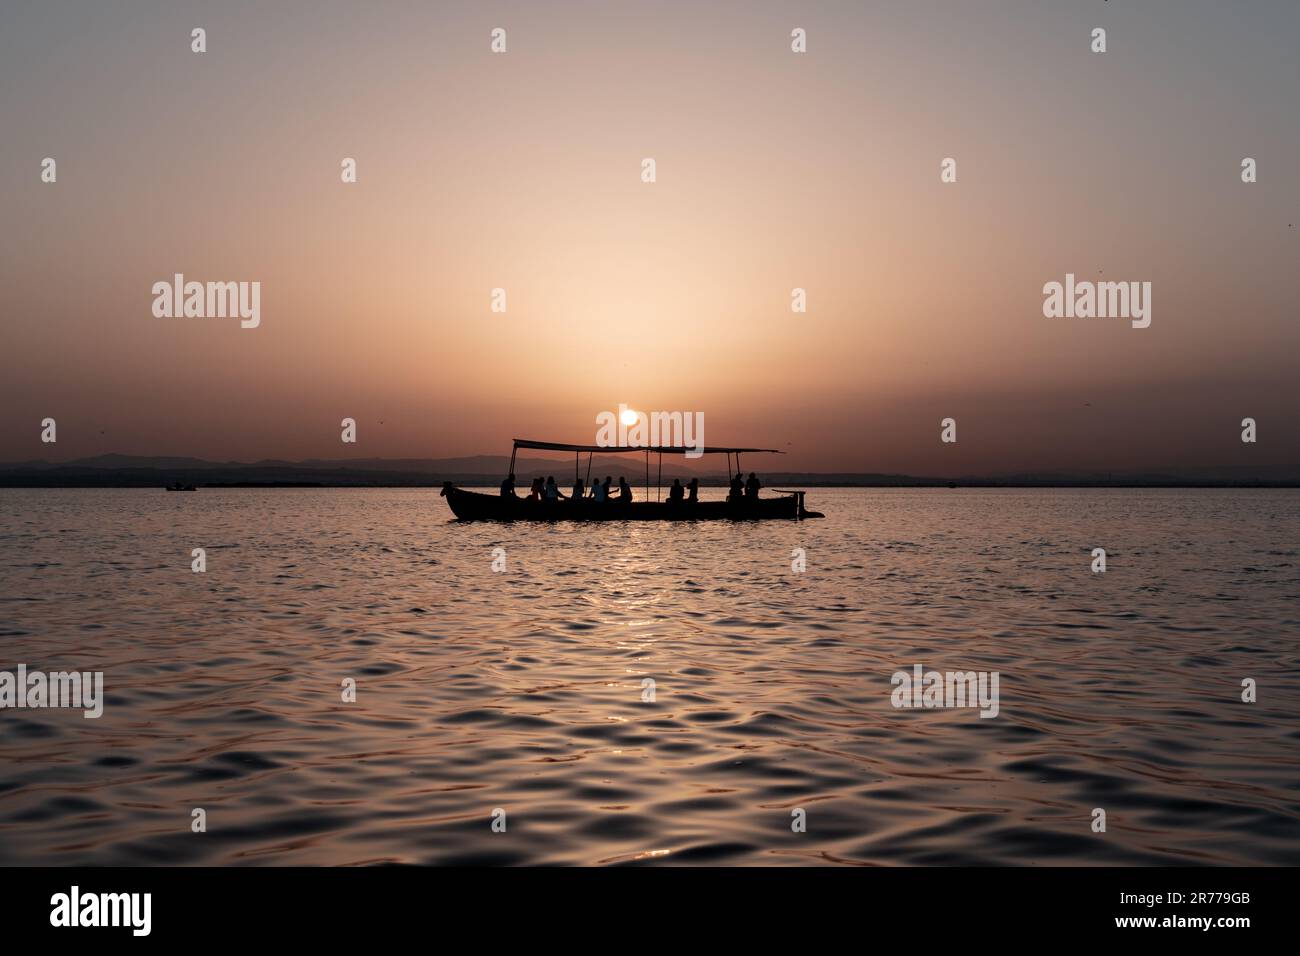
(522, 690)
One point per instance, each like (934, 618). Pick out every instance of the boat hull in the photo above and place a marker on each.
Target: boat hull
(476, 506)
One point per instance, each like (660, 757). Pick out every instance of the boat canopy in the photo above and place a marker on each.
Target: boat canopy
(653, 449)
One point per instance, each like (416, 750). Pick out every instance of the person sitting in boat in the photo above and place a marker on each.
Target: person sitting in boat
(551, 492)
(535, 492)
(579, 490)
(599, 492)
(737, 488)
(609, 495)
(676, 492)
(624, 491)
(508, 486)
(693, 492)
(751, 487)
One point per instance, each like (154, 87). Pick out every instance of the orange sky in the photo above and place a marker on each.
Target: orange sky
(775, 170)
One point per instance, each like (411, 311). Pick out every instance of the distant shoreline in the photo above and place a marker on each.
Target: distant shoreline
(132, 471)
(132, 484)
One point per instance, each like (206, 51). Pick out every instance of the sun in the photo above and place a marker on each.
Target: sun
(628, 417)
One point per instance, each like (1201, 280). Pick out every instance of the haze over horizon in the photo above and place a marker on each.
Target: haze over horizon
(775, 171)
(112, 468)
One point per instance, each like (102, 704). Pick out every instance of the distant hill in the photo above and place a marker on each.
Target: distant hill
(131, 471)
(138, 471)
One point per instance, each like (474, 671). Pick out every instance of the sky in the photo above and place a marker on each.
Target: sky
(774, 170)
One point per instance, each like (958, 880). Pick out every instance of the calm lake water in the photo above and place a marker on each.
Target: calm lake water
(522, 690)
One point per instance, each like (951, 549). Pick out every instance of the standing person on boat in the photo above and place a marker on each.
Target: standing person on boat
(552, 491)
(693, 496)
(752, 486)
(737, 488)
(508, 486)
(624, 492)
(579, 490)
(676, 492)
(599, 492)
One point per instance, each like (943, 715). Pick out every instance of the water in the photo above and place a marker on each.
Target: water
(522, 690)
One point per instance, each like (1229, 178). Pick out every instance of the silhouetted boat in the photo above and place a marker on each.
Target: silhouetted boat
(177, 486)
(480, 506)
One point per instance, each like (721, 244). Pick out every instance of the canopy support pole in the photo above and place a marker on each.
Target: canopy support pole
(513, 450)
(659, 482)
(589, 468)
(647, 474)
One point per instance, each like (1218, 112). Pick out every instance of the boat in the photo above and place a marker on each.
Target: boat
(480, 506)
(177, 486)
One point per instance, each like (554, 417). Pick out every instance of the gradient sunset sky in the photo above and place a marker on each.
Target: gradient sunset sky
(775, 171)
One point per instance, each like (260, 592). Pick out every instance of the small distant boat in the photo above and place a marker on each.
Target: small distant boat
(477, 506)
(177, 486)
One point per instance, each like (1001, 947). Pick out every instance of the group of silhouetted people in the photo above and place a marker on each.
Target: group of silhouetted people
(548, 492)
(689, 495)
(742, 490)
